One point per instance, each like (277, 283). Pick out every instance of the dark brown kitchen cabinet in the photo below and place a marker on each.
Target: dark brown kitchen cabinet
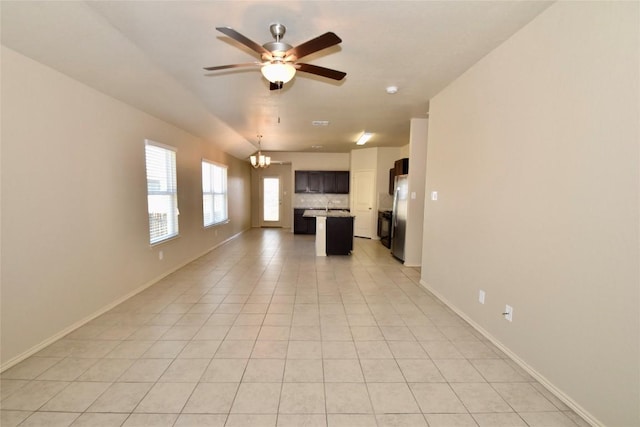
(315, 182)
(342, 182)
(392, 180)
(329, 182)
(302, 181)
(302, 225)
(308, 182)
(400, 167)
(339, 235)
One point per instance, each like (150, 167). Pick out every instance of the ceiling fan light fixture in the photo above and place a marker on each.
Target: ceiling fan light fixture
(366, 136)
(279, 60)
(278, 72)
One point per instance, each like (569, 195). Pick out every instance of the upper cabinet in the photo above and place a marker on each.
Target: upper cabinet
(392, 179)
(314, 182)
(342, 182)
(334, 182)
(308, 182)
(329, 182)
(400, 167)
(301, 182)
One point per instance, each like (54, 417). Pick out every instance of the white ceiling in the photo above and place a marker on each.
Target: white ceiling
(151, 54)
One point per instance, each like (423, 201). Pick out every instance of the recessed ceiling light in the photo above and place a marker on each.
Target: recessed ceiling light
(392, 89)
(320, 123)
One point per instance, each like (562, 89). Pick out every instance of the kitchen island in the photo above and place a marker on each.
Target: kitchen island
(334, 231)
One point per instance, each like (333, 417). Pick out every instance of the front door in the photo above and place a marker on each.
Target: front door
(271, 189)
(362, 194)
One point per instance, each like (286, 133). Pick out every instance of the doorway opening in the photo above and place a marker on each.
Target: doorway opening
(271, 201)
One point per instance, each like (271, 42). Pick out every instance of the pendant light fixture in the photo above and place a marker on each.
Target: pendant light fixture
(259, 160)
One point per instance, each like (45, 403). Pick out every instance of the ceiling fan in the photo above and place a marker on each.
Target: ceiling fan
(279, 60)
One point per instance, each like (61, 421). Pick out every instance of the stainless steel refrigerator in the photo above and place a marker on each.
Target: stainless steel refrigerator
(399, 216)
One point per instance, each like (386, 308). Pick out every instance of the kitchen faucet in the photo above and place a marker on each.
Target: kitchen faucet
(326, 208)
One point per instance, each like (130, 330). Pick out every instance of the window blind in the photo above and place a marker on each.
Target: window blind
(162, 192)
(214, 193)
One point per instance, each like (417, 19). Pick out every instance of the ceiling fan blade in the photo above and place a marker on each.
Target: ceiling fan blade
(321, 71)
(224, 67)
(321, 42)
(244, 40)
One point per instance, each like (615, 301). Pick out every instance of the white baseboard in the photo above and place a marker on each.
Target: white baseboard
(535, 374)
(36, 348)
(412, 266)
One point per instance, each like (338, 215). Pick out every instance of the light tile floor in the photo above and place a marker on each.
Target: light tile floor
(261, 332)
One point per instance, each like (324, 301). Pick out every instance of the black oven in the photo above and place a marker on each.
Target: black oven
(384, 228)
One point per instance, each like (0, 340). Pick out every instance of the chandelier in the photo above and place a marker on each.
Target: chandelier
(259, 160)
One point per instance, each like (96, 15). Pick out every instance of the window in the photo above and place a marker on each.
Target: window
(162, 191)
(214, 193)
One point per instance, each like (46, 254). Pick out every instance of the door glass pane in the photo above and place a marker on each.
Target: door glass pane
(271, 192)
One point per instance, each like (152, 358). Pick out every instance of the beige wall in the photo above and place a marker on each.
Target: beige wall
(415, 208)
(313, 161)
(405, 151)
(74, 213)
(534, 153)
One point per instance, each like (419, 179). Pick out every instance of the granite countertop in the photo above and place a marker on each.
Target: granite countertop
(322, 212)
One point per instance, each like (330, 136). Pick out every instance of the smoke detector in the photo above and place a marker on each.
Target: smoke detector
(392, 89)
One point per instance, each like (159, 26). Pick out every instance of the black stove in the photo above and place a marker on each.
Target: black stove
(384, 227)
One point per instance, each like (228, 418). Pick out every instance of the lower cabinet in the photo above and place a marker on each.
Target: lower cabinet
(302, 225)
(339, 235)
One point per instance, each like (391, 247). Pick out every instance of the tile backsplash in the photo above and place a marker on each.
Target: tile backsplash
(385, 202)
(310, 200)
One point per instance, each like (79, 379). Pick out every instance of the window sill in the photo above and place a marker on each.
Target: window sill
(161, 242)
(207, 227)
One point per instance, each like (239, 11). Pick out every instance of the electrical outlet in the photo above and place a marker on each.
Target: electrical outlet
(508, 313)
(160, 255)
(481, 296)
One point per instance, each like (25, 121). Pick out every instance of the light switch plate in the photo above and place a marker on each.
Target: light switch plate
(434, 195)
(508, 313)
